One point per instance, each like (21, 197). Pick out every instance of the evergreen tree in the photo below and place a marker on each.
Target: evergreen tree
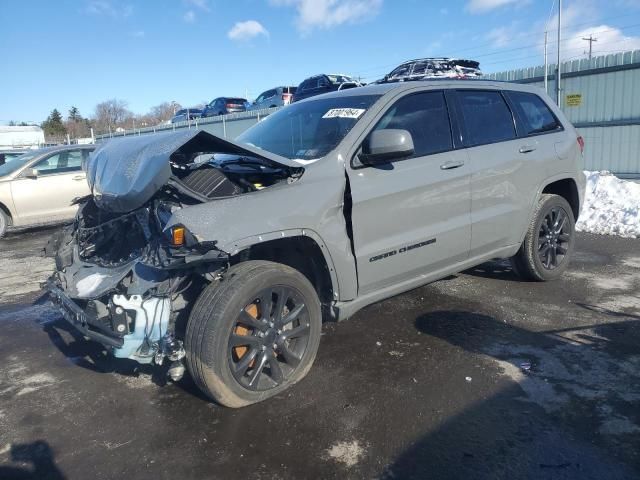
(74, 114)
(53, 126)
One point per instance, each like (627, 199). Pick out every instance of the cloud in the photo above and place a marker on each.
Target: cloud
(107, 8)
(325, 14)
(243, 31)
(199, 4)
(609, 40)
(483, 6)
(189, 16)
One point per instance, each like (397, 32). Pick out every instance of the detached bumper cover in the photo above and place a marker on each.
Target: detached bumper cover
(77, 317)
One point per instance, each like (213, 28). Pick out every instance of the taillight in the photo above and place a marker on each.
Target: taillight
(581, 143)
(286, 98)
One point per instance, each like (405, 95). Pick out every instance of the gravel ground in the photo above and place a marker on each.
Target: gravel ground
(476, 376)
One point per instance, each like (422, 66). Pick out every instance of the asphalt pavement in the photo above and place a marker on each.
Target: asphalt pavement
(477, 376)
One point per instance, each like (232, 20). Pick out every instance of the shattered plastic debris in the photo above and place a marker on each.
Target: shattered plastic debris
(611, 206)
(468, 379)
(525, 367)
(379, 344)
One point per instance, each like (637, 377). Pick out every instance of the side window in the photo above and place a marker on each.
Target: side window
(425, 116)
(322, 82)
(269, 94)
(260, 98)
(63, 162)
(535, 113)
(487, 117)
(306, 85)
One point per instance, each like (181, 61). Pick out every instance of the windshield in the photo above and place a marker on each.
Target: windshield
(14, 164)
(308, 130)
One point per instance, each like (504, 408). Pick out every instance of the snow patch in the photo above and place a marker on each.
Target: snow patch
(347, 453)
(611, 206)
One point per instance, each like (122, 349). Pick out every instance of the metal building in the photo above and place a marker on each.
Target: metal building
(601, 97)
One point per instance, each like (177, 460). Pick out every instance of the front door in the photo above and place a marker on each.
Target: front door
(47, 197)
(412, 217)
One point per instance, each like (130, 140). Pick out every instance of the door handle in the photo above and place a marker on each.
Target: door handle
(527, 148)
(80, 177)
(451, 165)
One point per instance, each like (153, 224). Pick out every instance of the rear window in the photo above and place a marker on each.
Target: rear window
(487, 118)
(289, 89)
(239, 101)
(534, 113)
(339, 78)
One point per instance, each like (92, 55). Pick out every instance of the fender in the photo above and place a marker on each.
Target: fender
(549, 180)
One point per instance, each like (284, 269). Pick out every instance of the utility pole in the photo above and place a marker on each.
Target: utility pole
(590, 40)
(559, 66)
(546, 64)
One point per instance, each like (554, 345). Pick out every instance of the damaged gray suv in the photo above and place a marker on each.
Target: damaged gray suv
(225, 257)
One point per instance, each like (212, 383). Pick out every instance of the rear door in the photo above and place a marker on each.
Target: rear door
(411, 217)
(506, 169)
(48, 197)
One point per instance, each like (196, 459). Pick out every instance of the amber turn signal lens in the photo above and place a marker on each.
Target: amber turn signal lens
(177, 236)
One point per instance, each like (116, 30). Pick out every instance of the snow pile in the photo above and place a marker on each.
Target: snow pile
(611, 206)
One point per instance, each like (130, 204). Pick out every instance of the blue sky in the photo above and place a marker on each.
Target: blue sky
(62, 53)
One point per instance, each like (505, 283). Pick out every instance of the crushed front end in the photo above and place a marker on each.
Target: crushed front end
(122, 279)
(126, 274)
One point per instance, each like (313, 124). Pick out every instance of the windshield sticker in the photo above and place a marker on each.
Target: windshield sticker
(344, 113)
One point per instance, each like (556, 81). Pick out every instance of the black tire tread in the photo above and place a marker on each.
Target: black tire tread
(523, 262)
(201, 332)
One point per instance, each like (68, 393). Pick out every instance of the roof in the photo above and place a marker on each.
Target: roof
(383, 88)
(19, 128)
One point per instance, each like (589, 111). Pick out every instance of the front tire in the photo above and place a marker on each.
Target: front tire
(4, 223)
(254, 333)
(548, 244)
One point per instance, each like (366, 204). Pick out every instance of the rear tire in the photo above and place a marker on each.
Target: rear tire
(4, 223)
(254, 333)
(548, 244)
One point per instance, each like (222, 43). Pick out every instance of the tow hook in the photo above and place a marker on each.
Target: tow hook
(173, 350)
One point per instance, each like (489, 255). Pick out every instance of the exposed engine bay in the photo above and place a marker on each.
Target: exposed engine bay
(123, 277)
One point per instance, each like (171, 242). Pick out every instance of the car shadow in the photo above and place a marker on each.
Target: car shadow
(93, 356)
(39, 458)
(496, 270)
(536, 425)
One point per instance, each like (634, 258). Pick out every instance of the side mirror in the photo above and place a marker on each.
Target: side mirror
(382, 146)
(30, 173)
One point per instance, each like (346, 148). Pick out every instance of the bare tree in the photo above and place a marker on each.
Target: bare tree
(162, 113)
(111, 114)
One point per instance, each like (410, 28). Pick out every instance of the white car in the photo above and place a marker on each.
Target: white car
(38, 187)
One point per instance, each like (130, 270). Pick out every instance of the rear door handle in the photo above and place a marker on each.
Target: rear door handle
(527, 148)
(451, 165)
(80, 177)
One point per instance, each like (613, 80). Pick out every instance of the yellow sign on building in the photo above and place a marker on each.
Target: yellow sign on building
(573, 100)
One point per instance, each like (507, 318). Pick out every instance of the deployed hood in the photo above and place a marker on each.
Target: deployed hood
(126, 172)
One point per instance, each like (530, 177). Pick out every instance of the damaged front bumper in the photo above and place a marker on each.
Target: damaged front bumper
(133, 327)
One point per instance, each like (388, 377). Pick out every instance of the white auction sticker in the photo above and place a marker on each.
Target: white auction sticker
(344, 113)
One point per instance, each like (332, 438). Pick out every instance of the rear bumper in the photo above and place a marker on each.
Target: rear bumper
(73, 314)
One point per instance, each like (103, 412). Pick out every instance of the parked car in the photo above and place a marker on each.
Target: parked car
(8, 155)
(38, 187)
(319, 84)
(224, 105)
(322, 208)
(186, 114)
(424, 68)
(276, 97)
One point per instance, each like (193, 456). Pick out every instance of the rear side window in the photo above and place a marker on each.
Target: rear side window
(535, 114)
(425, 116)
(487, 117)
